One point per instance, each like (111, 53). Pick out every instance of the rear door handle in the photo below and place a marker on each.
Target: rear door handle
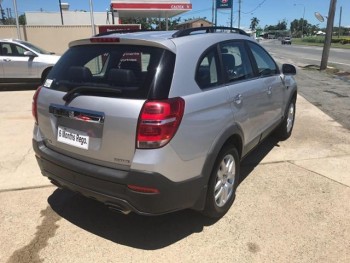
(6, 59)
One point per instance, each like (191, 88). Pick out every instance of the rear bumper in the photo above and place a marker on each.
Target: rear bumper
(109, 186)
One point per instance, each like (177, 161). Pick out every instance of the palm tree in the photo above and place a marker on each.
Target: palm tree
(254, 22)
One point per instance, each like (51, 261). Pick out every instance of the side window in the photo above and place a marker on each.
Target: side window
(235, 61)
(207, 71)
(6, 49)
(266, 65)
(18, 50)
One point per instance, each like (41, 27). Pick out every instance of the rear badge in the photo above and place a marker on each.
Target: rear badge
(122, 161)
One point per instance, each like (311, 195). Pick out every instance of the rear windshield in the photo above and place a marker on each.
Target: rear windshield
(128, 69)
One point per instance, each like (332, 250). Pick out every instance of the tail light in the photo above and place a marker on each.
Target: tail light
(35, 105)
(158, 122)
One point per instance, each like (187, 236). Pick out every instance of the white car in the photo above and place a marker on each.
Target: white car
(23, 63)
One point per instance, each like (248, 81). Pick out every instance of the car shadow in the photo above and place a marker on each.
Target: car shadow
(254, 158)
(142, 232)
(18, 87)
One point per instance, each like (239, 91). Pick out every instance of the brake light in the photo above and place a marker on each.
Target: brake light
(104, 40)
(158, 122)
(35, 104)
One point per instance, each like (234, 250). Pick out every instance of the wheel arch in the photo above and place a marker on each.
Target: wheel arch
(232, 136)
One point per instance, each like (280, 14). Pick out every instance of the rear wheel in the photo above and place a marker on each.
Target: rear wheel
(223, 183)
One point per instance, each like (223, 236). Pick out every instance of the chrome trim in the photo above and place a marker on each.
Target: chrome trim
(155, 122)
(77, 114)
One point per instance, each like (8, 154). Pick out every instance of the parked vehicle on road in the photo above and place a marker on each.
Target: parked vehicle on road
(24, 63)
(154, 122)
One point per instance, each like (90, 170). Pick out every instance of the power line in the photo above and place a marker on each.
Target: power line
(258, 6)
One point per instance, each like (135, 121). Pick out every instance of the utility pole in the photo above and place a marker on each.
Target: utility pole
(341, 11)
(59, 2)
(17, 22)
(212, 12)
(329, 32)
(92, 18)
(239, 13)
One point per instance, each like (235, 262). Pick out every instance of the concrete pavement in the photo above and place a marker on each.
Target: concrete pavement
(292, 206)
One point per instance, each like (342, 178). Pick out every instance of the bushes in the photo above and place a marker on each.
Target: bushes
(320, 39)
(342, 41)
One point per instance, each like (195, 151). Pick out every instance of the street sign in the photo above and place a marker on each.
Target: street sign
(223, 4)
(319, 17)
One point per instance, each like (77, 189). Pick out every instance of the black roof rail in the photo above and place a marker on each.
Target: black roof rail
(211, 29)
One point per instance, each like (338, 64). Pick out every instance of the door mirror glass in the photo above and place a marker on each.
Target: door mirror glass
(289, 69)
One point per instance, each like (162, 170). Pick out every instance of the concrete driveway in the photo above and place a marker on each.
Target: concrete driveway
(292, 205)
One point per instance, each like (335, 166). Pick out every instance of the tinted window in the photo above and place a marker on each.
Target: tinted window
(207, 71)
(8, 49)
(129, 69)
(236, 63)
(265, 64)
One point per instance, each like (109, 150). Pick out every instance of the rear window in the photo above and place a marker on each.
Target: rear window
(128, 69)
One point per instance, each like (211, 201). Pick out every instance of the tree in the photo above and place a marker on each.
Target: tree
(254, 22)
(302, 27)
(22, 20)
(282, 25)
(151, 23)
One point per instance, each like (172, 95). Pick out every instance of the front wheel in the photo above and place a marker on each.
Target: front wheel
(222, 183)
(284, 131)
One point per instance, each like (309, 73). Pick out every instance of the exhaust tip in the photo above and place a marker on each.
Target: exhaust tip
(119, 209)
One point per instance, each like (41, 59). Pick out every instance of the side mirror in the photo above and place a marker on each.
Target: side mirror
(289, 69)
(29, 54)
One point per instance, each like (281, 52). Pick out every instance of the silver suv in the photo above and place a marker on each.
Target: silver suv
(154, 122)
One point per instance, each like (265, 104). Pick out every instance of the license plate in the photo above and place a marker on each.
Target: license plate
(72, 137)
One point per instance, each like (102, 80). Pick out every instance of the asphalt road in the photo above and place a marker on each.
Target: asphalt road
(309, 55)
(329, 92)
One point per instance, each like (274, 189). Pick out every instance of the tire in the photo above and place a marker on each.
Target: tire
(284, 130)
(223, 183)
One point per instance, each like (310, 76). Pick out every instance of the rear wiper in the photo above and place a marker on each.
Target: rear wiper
(85, 90)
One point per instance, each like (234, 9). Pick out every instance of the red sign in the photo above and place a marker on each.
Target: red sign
(152, 6)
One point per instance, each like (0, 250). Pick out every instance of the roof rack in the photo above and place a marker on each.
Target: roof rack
(211, 29)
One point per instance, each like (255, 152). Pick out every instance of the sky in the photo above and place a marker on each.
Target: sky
(268, 12)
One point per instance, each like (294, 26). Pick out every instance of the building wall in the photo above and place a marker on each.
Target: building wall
(196, 23)
(50, 38)
(69, 18)
(53, 38)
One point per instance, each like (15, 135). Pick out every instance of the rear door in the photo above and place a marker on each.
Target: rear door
(246, 93)
(92, 99)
